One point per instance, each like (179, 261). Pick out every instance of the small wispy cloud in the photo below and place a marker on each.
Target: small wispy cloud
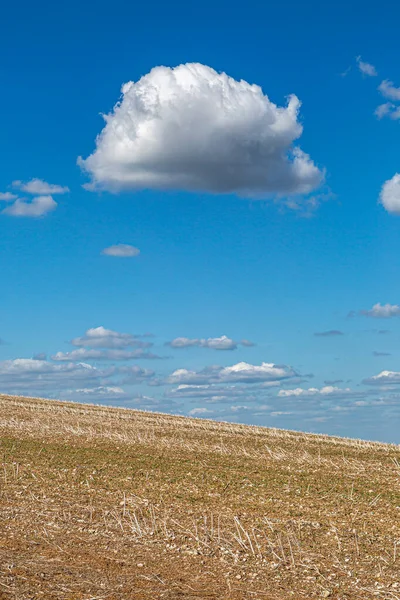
(218, 343)
(366, 68)
(82, 354)
(388, 109)
(389, 90)
(327, 391)
(100, 337)
(37, 207)
(247, 343)
(389, 196)
(330, 333)
(121, 251)
(377, 353)
(38, 187)
(8, 196)
(345, 72)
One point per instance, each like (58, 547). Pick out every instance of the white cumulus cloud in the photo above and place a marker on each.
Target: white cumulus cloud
(191, 128)
(246, 372)
(390, 195)
(38, 187)
(37, 207)
(121, 251)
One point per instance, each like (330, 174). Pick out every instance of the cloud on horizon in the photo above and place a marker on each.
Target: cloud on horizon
(96, 394)
(30, 376)
(241, 372)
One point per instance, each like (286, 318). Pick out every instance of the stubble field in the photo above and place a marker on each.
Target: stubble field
(104, 503)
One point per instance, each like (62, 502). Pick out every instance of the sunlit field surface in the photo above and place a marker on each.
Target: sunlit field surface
(106, 503)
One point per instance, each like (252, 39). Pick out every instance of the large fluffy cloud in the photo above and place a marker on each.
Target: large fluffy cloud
(192, 128)
(390, 194)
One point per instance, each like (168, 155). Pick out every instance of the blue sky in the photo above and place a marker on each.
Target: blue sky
(233, 240)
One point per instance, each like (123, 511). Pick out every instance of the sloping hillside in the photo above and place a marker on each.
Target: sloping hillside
(104, 503)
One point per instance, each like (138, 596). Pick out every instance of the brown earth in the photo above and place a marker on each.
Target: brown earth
(103, 503)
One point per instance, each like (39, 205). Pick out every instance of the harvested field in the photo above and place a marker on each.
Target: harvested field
(104, 503)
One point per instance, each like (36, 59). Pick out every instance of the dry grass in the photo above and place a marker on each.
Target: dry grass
(104, 503)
